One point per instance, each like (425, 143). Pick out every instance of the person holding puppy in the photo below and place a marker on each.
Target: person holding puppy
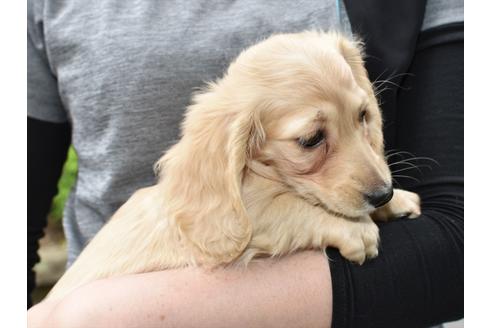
(120, 123)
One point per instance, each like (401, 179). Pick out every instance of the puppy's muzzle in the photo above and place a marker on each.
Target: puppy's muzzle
(380, 196)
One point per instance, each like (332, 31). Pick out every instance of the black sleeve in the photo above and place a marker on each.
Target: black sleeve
(47, 145)
(390, 30)
(417, 279)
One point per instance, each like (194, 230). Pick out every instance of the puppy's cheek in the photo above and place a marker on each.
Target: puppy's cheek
(342, 199)
(301, 163)
(319, 161)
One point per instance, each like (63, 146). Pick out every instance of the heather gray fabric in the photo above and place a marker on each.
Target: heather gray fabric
(441, 12)
(122, 73)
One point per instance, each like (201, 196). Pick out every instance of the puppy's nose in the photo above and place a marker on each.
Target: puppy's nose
(380, 196)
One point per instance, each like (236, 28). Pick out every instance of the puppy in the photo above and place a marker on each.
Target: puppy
(284, 153)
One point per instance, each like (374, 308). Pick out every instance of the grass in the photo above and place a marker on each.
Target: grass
(65, 184)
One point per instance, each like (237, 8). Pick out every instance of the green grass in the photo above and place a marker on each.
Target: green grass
(65, 184)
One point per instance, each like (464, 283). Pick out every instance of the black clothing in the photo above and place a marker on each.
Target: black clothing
(47, 146)
(417, 279)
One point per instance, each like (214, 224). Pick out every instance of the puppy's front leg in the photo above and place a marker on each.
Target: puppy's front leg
(290, 223)
(403, 203)
(357, 239)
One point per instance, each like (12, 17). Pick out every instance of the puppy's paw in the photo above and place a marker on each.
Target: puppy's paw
(360, 241)
(403, 203)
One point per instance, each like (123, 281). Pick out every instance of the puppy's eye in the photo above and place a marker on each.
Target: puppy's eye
(312, 142)
(363, 115)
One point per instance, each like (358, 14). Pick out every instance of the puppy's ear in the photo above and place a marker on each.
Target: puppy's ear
(353, 52)
(201, 180)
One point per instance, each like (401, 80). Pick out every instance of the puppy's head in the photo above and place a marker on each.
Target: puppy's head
(298, 108)
(321, 119)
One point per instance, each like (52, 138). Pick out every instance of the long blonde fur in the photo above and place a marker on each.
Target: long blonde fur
(238, 185)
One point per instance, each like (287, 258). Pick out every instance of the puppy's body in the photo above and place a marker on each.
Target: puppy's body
(284, 153)
(137, 239)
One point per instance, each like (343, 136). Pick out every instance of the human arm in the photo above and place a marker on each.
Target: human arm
(294, 291)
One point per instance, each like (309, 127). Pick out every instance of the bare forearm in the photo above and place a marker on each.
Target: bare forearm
(294, 291)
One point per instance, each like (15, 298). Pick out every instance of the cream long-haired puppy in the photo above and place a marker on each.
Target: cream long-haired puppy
(284, 153)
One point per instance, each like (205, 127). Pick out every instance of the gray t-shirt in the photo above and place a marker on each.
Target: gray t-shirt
(122, 72)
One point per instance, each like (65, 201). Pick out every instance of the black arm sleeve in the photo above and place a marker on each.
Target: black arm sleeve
(417, 279)
(47, 145)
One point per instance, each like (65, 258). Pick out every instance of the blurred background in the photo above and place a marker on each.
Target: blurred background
(53, 246)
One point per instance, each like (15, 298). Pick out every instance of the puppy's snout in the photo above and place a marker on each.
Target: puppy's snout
(380, 196)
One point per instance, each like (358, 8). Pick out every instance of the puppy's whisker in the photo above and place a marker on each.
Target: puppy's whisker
(419, 166)
(377, 78)
(395, 182)
(392, 150)
(423, 158)
(382, 82)
(410, 164)
(399, 154)
(377, 83)
(402, 161)
(376, 94)
(415, 160)
(408, 160)
(406, 176)
(407, 169)
(391, 77)
(397, 151)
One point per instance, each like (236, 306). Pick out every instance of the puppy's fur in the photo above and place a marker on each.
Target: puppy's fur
(275, 157)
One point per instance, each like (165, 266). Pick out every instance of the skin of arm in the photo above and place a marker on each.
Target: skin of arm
(293, 291)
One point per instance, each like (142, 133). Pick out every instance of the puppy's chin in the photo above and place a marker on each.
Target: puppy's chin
(348, 212)
(337, 208)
